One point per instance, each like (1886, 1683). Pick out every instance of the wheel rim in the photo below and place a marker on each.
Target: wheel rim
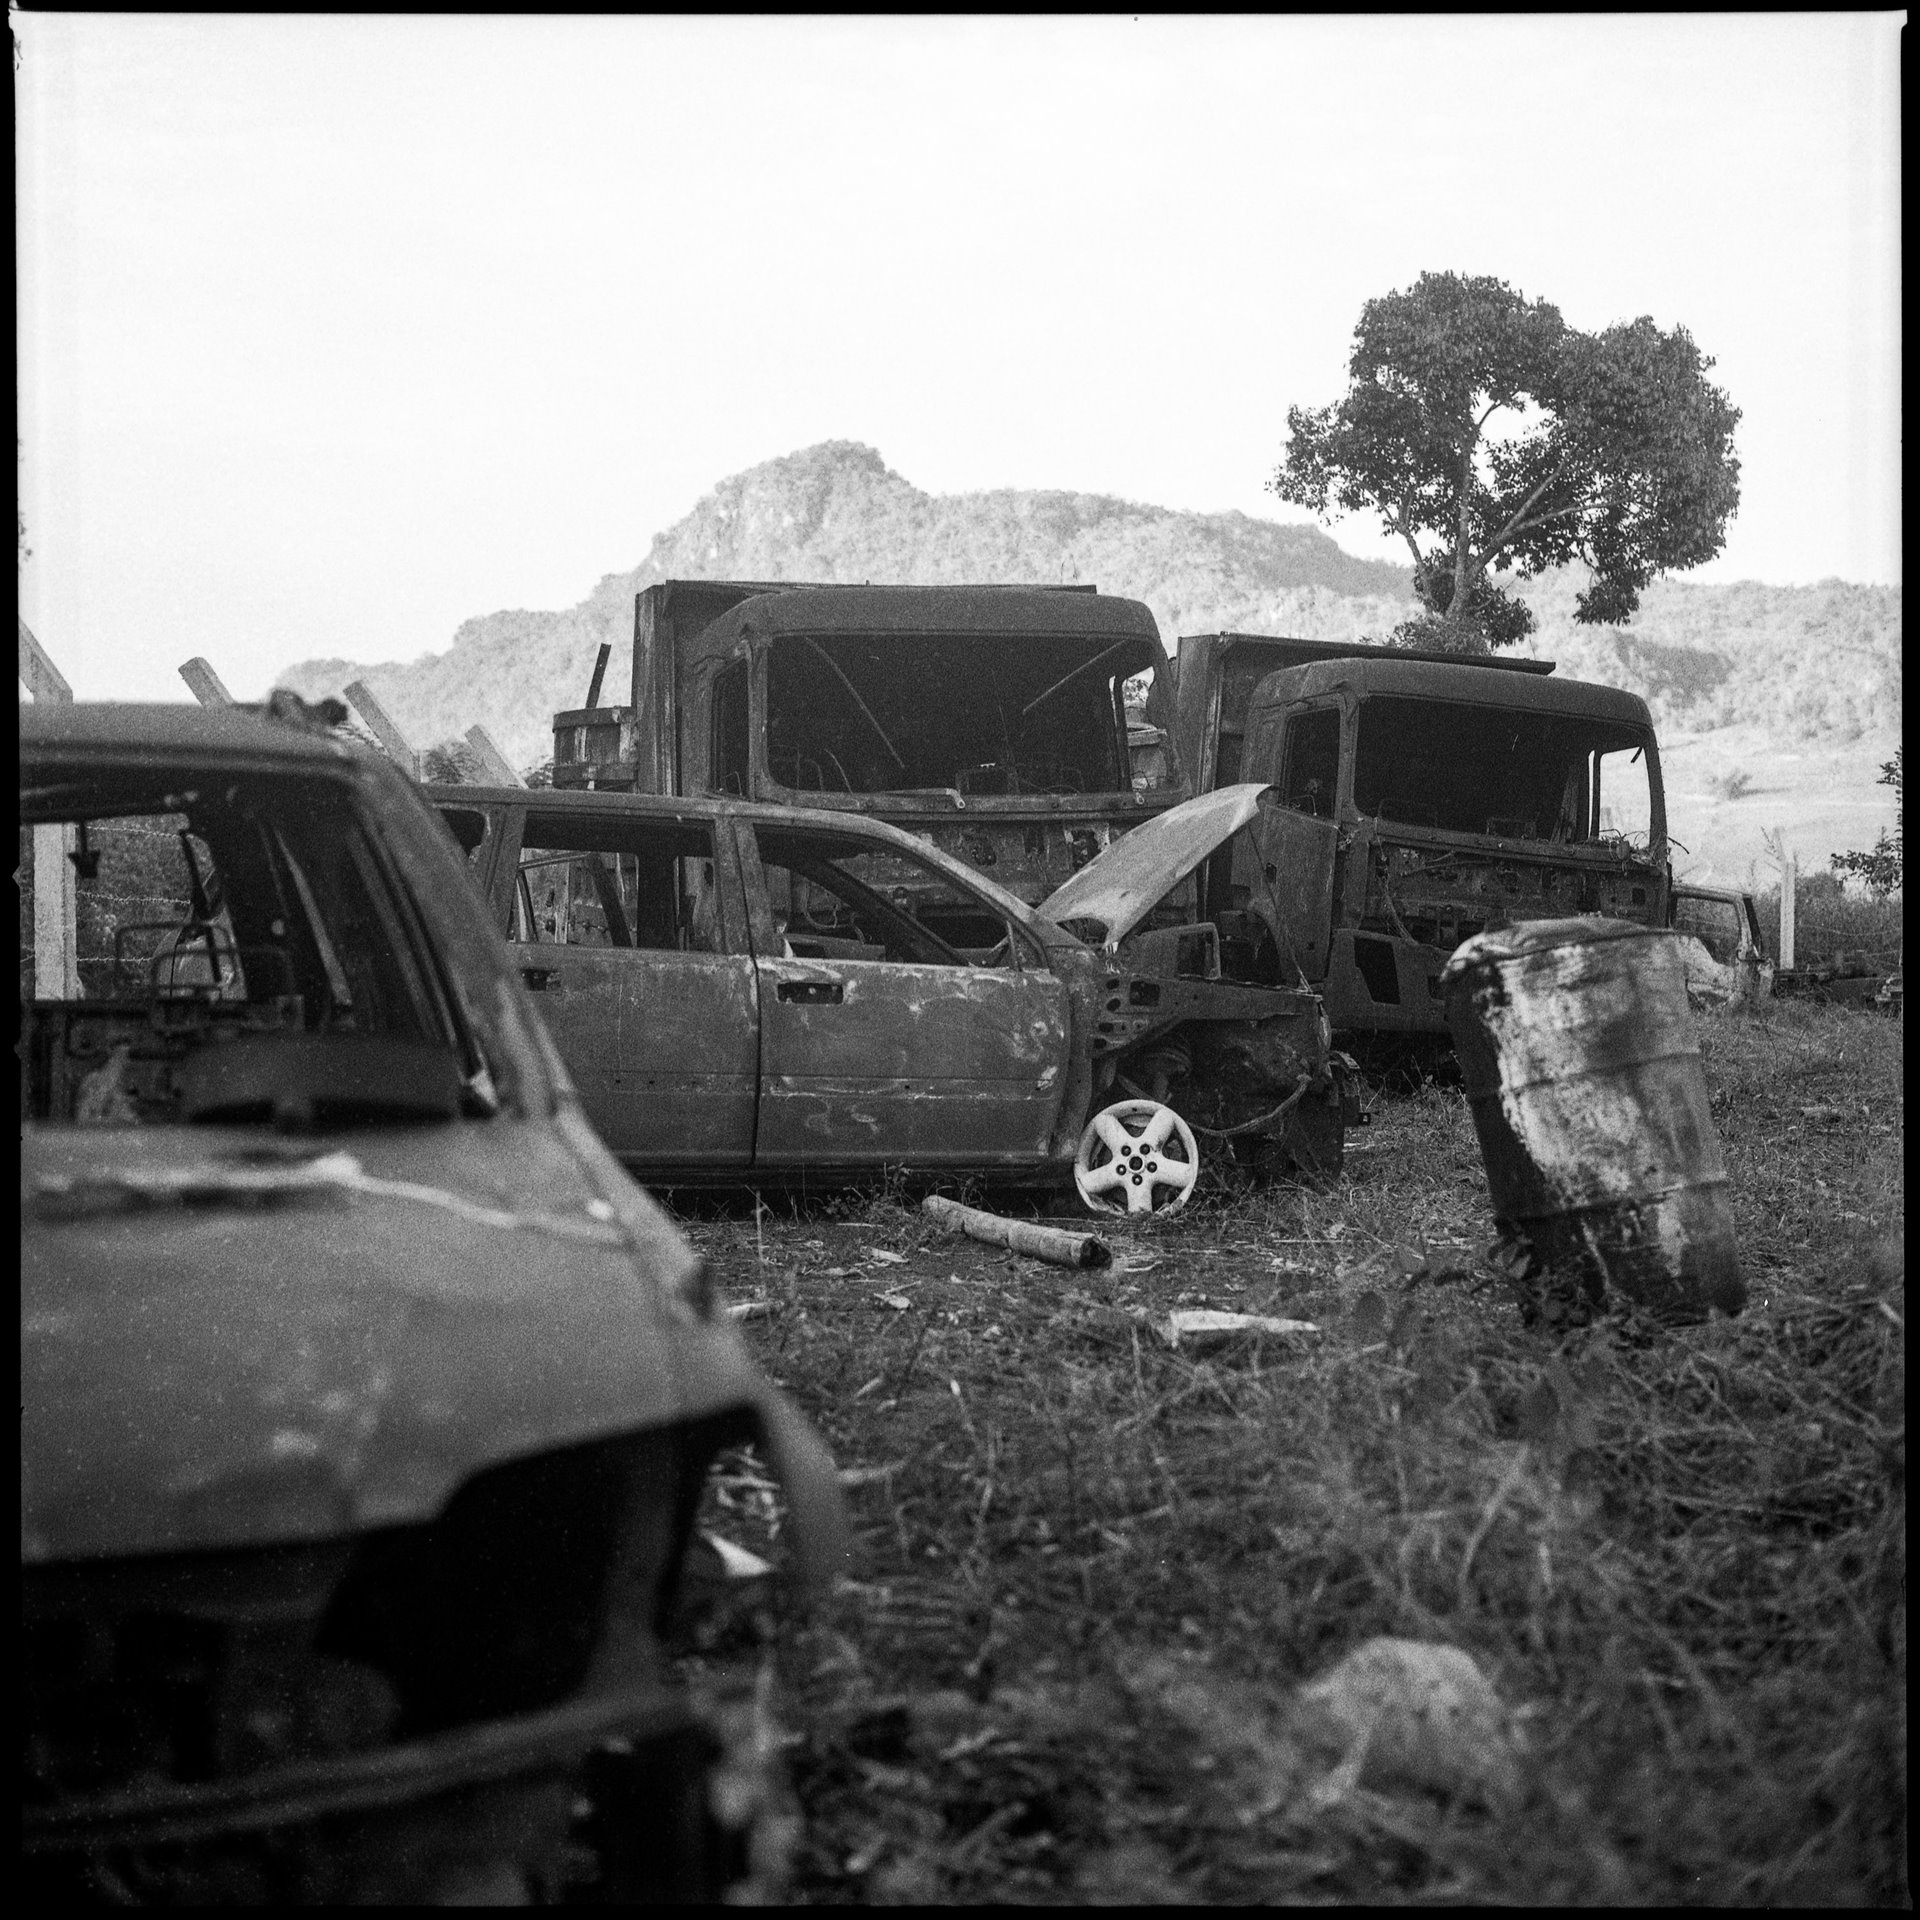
(1136, 1157)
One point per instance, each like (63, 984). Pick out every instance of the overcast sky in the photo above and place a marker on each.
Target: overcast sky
(335, 331)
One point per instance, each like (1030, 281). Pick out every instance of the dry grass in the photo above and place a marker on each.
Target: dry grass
(1089, 1570)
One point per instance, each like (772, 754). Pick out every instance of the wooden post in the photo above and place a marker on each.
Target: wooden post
(389, 736)
(206, 685)
(492, 761)
(599, 673)
(56, 933)
(1789, 909)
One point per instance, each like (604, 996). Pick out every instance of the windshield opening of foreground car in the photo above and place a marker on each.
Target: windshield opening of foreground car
(209, 910)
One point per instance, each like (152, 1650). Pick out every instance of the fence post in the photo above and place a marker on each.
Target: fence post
(56, 931)
(1789, 907)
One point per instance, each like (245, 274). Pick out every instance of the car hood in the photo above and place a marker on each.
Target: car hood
(232, 1339)
(1123, 885)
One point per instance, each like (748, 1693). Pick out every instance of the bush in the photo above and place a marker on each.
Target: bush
(1731, 784)
(1880, 867)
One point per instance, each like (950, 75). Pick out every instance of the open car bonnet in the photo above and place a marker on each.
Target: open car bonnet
(1123, 885)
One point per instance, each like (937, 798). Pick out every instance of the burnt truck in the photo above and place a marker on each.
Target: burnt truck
(1416, 799)
(988, 721)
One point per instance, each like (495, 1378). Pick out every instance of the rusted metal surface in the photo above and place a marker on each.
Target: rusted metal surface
(1119, 889)
(926, 1066)
(1421, 802)
(987, 719)
(843, 997)
(1216, 674)
(363, 1395)
(1590, 1102)
(1724, 957)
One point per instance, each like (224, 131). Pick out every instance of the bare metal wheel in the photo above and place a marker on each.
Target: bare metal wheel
(1136, 1157)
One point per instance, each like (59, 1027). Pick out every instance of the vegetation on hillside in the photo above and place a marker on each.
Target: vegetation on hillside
(1812, 662)
(1491, 436)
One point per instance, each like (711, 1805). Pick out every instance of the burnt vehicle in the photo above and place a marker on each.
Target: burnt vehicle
(762, 992)
(1417, 802)
(366, 1402)
(1215, 675)
(989, 720)
(1722, 947)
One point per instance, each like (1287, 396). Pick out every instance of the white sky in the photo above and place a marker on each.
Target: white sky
(335, 331)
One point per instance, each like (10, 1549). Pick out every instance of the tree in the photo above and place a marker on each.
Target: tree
(1881, 867)
(1491, 436)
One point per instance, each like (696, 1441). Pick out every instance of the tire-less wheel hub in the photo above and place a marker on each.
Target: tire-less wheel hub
(1136, 1157)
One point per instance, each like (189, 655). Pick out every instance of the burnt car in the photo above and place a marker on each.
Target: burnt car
(366, 1401)
(1722, 947)
(745, 991)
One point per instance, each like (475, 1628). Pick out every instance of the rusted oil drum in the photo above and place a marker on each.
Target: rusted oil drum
(1591, 1105)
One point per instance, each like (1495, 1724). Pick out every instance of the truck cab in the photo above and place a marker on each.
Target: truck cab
(989, 721)
(1417, 802)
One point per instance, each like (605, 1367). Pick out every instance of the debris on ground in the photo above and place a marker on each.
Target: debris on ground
(1202, 1329)
(1413, 1713)
(1053, 1244)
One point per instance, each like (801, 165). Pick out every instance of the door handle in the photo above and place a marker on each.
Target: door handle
(811, 993)
(538, 979)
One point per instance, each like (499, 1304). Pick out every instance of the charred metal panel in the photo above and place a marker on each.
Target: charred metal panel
(1294, 884)
(868, 1063)
(1136, 875)
(664, 1047)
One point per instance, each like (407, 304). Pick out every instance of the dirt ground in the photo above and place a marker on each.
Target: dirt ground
(1091, 1571)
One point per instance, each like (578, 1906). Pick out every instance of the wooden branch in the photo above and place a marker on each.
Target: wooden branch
(1519, 515)
(1051, 1244)
(1397, 523)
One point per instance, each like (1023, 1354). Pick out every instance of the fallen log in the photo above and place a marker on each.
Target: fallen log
(1054, 1245)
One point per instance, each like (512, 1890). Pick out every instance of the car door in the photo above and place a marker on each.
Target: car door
(630, 934)
(881, 1044)
(1286, 864)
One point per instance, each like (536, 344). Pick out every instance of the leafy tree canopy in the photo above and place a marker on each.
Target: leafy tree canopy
(1491, 436)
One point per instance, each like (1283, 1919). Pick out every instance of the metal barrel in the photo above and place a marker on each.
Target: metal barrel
(1590, 1101)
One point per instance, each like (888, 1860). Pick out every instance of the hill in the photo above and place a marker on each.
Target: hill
(1789, 668)
(837, 512)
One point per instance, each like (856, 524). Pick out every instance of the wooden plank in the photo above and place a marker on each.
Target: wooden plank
(56, 934)
(206, 684)
(390, 737)
(493, 762)
(43, 679)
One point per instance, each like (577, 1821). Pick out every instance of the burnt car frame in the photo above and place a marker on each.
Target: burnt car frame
(1418, 802)
(366, 1401)
(750, 992)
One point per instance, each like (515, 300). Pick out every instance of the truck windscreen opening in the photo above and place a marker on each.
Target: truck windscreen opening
(977, 714)
(1504, 772)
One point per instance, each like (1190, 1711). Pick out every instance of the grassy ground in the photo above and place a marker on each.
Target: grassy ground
(1090, 1571)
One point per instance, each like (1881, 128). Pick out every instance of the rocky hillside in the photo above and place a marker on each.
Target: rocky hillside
(1802, 663)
